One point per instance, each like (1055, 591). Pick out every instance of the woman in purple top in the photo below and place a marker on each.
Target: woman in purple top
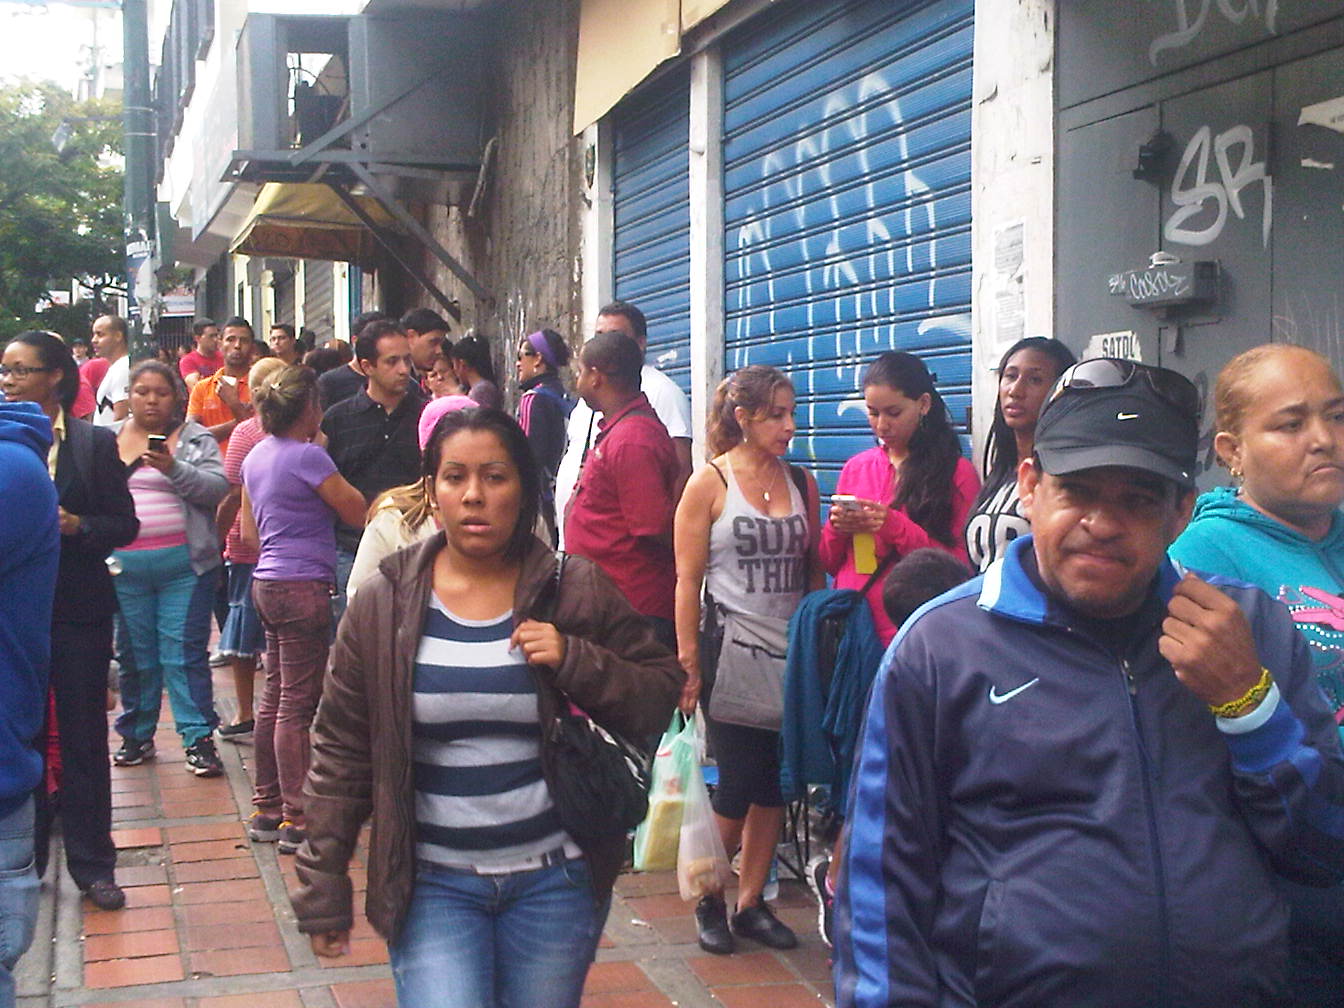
(292, 496)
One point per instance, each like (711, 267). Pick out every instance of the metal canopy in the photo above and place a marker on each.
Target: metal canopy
(341, 171)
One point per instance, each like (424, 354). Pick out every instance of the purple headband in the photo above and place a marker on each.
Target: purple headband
(543, 347)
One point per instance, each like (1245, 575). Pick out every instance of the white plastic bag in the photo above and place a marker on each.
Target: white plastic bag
(702, 863)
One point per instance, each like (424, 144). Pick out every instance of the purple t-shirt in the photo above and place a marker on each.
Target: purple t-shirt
(298, 538)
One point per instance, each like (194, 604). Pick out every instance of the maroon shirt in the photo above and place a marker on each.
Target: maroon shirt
(623, 501)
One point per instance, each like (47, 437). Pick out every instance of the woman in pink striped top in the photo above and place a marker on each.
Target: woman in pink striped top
(166, 578)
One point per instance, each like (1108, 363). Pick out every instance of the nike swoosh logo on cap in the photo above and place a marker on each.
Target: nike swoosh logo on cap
(1126, 416)
(995, 697)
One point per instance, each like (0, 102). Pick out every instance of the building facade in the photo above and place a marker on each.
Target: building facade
(802, 183)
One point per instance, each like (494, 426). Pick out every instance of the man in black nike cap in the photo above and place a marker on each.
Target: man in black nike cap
(1080, 773)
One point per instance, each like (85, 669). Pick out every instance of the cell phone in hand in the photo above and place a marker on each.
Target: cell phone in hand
(158, 442)
(847, 502)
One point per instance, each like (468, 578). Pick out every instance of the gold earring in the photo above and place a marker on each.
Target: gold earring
(1235, 473)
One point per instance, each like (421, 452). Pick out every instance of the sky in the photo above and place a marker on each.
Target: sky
(54, 42)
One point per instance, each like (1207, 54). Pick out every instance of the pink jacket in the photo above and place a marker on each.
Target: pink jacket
(869, 475)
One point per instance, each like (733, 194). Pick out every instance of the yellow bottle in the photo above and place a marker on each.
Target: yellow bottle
(865, 553)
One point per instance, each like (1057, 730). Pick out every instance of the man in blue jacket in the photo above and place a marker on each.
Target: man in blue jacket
(29, 549)
(1080, 773)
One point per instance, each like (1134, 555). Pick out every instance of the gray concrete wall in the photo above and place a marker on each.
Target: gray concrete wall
(523, 244)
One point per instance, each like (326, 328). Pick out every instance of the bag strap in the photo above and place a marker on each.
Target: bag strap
(799, 478)
(548, 598)
(588, 439)
(800, 481)
(885, 565)
(543, 610)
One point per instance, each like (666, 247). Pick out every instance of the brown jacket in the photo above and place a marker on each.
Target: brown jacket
(361, 737)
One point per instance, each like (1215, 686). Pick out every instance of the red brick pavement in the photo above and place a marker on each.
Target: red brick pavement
(204, 928)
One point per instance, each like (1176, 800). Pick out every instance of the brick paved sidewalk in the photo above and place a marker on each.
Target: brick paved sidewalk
(207, 923)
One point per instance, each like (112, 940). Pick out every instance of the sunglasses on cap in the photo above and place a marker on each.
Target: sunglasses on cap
(1112, 373)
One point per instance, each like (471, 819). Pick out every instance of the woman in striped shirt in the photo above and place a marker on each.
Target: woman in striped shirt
(166, 584)
(434, 721)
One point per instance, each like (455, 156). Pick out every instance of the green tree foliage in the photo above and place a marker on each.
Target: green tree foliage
(60, 212)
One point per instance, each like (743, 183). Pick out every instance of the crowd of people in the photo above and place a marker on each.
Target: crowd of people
(1107, 770)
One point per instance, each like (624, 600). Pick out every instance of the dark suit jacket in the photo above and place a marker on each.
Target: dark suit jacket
(91, 483)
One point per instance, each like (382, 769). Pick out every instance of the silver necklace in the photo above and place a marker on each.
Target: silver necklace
(765, 490)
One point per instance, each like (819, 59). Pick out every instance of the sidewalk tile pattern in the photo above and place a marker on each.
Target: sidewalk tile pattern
(206, 924)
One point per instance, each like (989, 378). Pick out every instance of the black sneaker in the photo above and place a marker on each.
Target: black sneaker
(817, 870)
(291, 837)
(234, 732)
(133, 753)
(759, 923)
(202, 760)
(711, 925)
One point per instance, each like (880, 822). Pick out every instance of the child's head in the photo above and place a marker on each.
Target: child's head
(917, 577)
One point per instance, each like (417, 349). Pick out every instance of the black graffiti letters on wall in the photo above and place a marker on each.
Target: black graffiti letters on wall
(770, 553)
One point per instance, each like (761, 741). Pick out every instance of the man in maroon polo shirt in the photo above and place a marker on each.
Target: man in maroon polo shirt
(620, 516)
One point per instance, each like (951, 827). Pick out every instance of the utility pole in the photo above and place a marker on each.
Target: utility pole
(142, 255)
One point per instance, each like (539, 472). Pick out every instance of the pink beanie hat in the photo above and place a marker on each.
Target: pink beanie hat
(436, 409)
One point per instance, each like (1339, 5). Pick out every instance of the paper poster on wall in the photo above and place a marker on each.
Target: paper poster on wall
(1010, 300)
(1123, 344)
(1329, 114)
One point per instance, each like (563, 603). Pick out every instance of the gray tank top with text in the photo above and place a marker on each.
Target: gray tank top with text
(757, 563)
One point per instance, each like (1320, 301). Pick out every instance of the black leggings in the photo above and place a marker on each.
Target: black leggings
(748, 768)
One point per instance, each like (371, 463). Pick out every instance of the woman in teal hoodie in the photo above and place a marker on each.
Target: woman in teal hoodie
(1280, 432)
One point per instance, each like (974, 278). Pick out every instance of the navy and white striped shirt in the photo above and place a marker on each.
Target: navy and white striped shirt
(480, 799)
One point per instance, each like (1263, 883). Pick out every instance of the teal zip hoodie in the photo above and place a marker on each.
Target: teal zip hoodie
(1227, 536)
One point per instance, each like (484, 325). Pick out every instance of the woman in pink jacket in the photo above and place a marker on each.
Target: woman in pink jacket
(913, 489)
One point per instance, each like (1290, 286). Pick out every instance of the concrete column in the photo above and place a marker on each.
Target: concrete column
(598, 224)
(706, 269)
(340, 303)
(1012, 181)
(301, 293)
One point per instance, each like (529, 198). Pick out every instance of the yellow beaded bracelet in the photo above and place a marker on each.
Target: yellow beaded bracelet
(1248, 700)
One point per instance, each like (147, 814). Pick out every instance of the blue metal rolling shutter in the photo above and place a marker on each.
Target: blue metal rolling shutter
(847, 204)
(651, 207)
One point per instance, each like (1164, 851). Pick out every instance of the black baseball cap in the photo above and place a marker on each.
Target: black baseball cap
(1110, 412)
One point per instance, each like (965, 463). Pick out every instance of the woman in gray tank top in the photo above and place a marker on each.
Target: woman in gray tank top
(746, 548)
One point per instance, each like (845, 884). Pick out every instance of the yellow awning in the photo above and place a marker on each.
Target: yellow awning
(305, 220)
(695, 11)
(620, 43)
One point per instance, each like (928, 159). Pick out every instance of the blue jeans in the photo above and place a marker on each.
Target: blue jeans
(18, 894)
(523, 940)
(164, 625)
(345, 561)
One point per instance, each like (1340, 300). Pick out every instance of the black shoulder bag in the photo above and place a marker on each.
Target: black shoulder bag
(598, 781)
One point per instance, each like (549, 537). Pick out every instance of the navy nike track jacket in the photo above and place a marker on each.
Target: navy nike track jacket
(1037, 823)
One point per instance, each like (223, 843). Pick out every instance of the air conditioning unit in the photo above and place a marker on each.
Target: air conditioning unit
(412, 84)
(441, 57)
(267, 46)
